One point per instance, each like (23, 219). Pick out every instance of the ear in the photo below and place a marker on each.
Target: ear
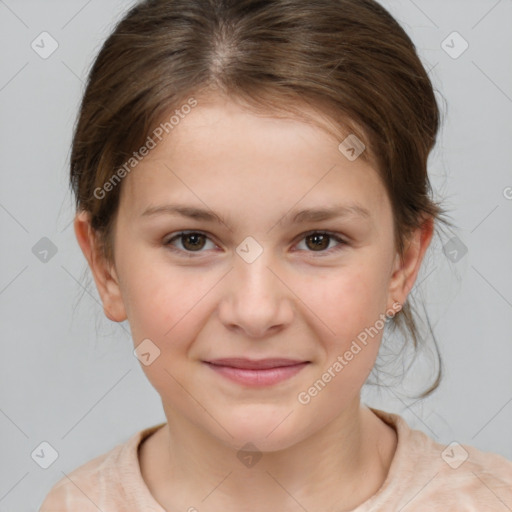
(405, 273)
(104, 273)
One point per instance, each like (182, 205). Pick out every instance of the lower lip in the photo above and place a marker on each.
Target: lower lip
(258, 378)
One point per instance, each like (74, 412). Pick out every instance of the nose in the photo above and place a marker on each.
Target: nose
(256, 301)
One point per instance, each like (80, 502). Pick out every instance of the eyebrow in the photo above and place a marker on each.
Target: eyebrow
(302, 216)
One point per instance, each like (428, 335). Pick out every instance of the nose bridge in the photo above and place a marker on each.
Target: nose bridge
(256, 276)
(257, 300)
(252, 271)
(251, 264)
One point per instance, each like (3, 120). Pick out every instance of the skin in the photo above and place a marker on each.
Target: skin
(293, 301)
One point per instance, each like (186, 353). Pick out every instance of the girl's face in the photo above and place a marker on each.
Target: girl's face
(252, 280)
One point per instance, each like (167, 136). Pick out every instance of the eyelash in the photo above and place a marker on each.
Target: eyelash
(194, 254)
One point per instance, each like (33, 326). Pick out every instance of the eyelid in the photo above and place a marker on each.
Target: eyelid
(332, 234)
(341, 240)
(176, 236)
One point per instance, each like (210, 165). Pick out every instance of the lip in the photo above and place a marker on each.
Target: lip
(255, 364)
(256, 373)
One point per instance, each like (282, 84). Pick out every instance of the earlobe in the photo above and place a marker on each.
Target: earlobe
(103, 272)
(405, 272)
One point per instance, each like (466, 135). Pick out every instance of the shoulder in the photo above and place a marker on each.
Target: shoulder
(101, 483)
(427, 473)
(468, 478)
(79, 488)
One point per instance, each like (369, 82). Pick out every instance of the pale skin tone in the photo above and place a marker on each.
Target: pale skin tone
(295, 300)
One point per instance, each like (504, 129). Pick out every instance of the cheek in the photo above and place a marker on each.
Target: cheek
(169, 308)
(352, 306)
(165, 311)
(160, 298)
(345, 302)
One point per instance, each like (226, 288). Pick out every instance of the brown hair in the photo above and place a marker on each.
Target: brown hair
(348, 59)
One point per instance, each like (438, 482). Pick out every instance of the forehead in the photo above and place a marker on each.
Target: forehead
(232, 155)
(220, 121)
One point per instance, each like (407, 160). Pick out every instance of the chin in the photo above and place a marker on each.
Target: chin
(268, 430)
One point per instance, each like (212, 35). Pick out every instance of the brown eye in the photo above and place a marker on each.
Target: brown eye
(318, 241)
(191, 241)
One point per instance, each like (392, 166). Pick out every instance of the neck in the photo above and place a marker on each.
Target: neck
(338, 467)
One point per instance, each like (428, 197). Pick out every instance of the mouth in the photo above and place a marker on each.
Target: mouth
(256, 373)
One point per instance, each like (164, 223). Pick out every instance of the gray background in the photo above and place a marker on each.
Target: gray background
(68, 374)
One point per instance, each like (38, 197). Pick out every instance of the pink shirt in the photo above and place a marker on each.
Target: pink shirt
(424, 476)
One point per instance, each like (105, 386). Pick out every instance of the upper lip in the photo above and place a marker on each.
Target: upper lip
(255, 364)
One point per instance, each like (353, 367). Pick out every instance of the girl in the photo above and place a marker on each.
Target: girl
(252, 196)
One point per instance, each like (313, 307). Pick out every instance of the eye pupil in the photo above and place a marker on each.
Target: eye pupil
(195, 237)
(320, 241)
(195, 241)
